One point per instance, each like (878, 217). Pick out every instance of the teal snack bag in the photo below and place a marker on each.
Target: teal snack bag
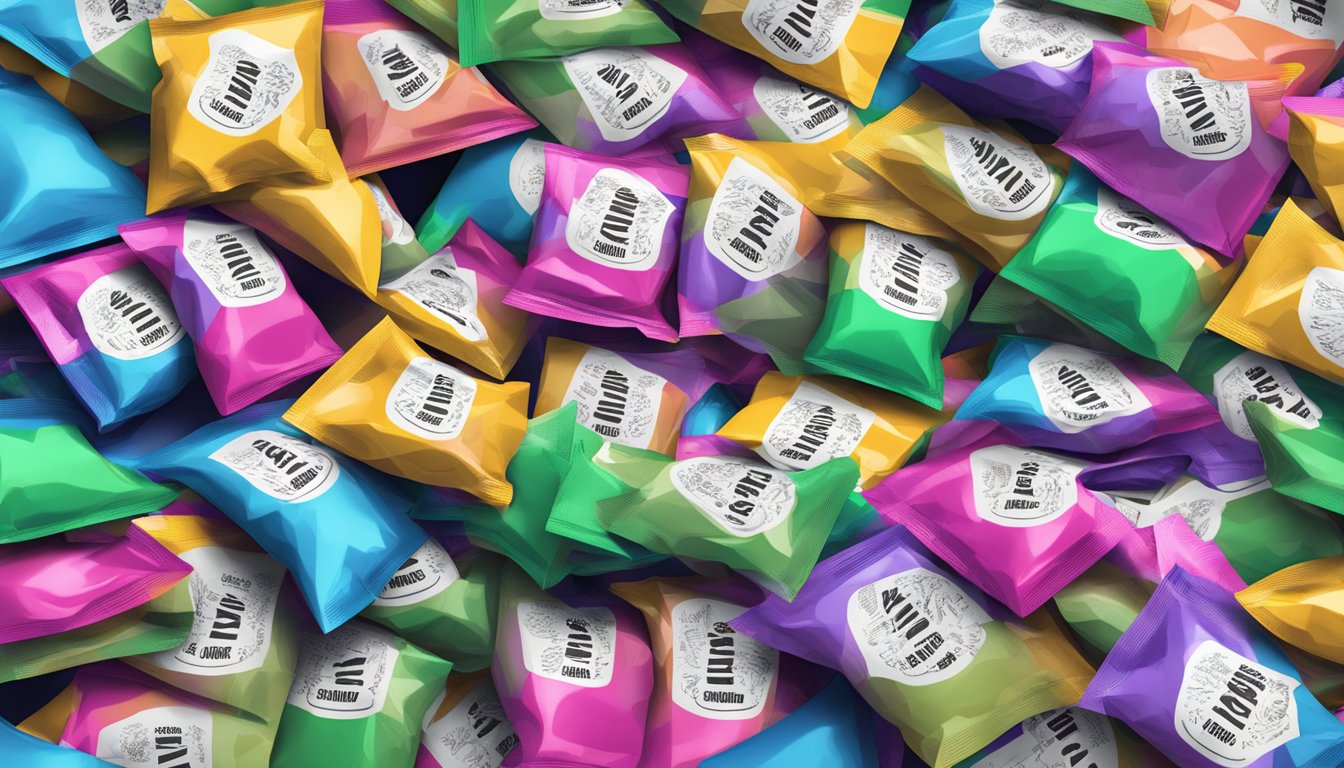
(495, 30)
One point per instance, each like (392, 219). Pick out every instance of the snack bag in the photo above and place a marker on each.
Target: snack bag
(574, 672)
(437, 16)
(240, 102)
(94, 110)
(894, 300)
(1016, 522)
(398, 410)
(397, 95)
(1100, 605)
(1060, 396)
(986, 184)
(1301, 461)
(1220, 163)
(839, 47)
(1026, 59)
(63, 192)
(1064, 737)
(242, 638)
(496, 30)
(1301, 606)
(110, 328)
(340, 528)
(1142, 11)
(1200, 681)
(613, 100)
(800, 422)
(753, 257)
(927, 651)
(254, 334)
(466, 726)
(1313, 143)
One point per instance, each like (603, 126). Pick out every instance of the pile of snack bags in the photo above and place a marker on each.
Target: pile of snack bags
(773, 383)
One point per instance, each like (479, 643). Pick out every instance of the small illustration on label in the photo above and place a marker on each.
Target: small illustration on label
(619, 220)
(1125, 219)
(426, 573)
(800, 31)
(1060, 738)
(813, 427)
(616, 399)
(625, 89)
(1202, 119)
(395, 228)
(716, 672)
(571, 645)
(446, 291)
(103, 22)
(160, 737)
(1036, 32)
(915, 627)
(1253, 376)
(1081, 389)
(906, 274)
(1312, 19)
(407, 67)
(1021, 488)
(1321, 312)
(741, 497)
(344, 675)
(280, 466)
(431, 399)
(805, 114)
(527, 174)
(247, 83)
(1200, 505)
(1233, 710)
(127, 315)
(753, 223)
(579, 10)
(233, 262)
(997, 177)
(475, 733)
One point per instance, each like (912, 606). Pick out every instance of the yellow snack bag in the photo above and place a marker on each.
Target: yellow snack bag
(1289, 301)
(987, 184)
(1316, 144)
(1303, 605)
(799, 422)
(396, 409)
(240, 101)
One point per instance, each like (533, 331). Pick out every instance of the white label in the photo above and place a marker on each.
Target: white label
(1201, 506)
(344, 675)
(1021, 488)
(407, 67)
(1321, 312)
(619, 221)
(446, 291)
(527, 174)
(1026, 32)
(426, 573)
(805, 114)
(1202, 119)
(232, 262)
(800, 31)
(753, 223)
(1233, 710)
(247, 83)
(717, 673)
(626, 89)
(103, 22)
(280, 466)
(1080, 389)
(160, 737)
(1253, 376)
(997, 177)
(743, 498)
(127, 315)
(1060, 738)
(813, 427)
(234, 594)
(579, 10)
(1312, 19)
(616, 399)
(906, 274)
(1125, 219)
(915, 627)
(431, 399)
(395, 228)
(475, 733)
(567, 644)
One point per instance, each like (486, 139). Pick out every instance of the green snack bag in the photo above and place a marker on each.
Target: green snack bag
(1306, 463)
(1121, 271)
(1100, 605)
(359, 697)
(499, 30)
(54, 481)
(1141, 11)
(1008, 309)
(437, 16)
(893, 302)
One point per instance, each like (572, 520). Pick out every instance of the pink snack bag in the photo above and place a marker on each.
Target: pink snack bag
(1152, 552)
(253, 333)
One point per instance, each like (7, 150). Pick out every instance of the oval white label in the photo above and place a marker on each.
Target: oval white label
(1060, 738)
(103, 22)
(1312, 19)
(233, 262)
(719, 674)
(160, 737)
(1080, 389)
(805, 114)
(127, 315)
(446, 291)
(426, 573)
(475, 733)
(1321, 312)
(344, 675)
(906, 274)
(407, 67)
(618, 222)
(527, 174)
(1021, 488)
(579, 10)
(567, 644)
(1036, 32)
(753, 223)
(395, 228)
(431, 399)
(616, 399)
(1233, 710)
(247, 83)
(1253, 376)
(742, 498)
(1202, 119)
(800, 31)
(813, 427)
(625, 89)
(1125, 219)
(997, 177)
(280, 466)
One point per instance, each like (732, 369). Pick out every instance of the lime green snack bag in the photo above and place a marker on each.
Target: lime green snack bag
(359, 697)
(54, 481)
(1147, 12)
(437, 16)
(1100, 605)
(500, 30)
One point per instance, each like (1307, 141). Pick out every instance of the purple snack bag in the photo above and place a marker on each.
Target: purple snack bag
(605, 241)
(1201, 681)
(253, 333)
(1212, 453)
(1148, 118)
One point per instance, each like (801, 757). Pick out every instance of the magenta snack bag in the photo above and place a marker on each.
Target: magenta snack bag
(1154, 550)
(1014, 521)
(605, 241)
(254, 334)
(1198, 678)
(1147, 118)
